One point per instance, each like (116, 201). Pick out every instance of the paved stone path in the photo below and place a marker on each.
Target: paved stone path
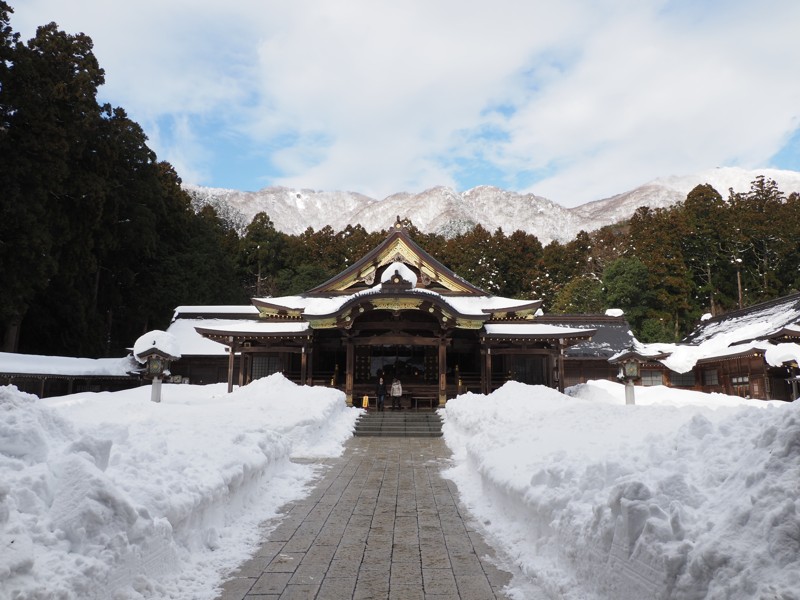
(381, 523)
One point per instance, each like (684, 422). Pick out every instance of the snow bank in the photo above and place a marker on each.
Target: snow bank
(682, 496)
(112, 496)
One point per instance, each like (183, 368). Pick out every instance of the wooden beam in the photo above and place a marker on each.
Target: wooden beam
(267, 349)
(396, 340)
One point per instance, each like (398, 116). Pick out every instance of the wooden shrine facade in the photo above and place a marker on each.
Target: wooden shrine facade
(398, 312)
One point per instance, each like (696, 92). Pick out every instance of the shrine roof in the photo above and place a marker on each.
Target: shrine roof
(468, 305)
(397, 245)
(535, 330)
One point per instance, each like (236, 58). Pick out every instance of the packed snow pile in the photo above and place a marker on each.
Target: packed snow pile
(683, 496)
(110, 495)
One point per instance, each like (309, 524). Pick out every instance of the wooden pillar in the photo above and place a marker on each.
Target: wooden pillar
(349, 370)
(442, 371)
(303, 364)
(487, 372)
(231, 356)
(241, 369)
(310, 371)
(560, 359)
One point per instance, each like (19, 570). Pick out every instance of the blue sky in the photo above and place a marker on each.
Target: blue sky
(572, 100)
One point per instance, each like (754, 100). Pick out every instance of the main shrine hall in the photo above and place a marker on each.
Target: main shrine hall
(396, 312)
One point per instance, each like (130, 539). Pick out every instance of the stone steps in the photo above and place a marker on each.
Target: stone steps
(399, 424)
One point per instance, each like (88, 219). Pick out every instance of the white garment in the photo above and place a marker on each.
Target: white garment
(397, 389)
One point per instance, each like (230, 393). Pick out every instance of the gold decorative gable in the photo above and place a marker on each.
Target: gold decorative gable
(397, 247)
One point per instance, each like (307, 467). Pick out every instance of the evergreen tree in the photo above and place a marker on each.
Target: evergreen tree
(761, 240)
(581, 295)
(625, 282)
(656, 237)
(701, 242)
(261, 256)
(47, 96)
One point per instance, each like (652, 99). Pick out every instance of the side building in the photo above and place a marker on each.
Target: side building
(752, 352)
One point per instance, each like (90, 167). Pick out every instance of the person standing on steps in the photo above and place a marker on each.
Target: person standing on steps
(380, 392)
(397, 393)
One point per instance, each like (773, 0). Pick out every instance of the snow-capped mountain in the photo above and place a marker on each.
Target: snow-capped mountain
(443, 210)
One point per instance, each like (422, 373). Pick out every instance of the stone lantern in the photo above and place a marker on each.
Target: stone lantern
(156, 350)
(630, 369)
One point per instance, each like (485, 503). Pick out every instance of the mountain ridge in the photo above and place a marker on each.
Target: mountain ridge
(445, 211)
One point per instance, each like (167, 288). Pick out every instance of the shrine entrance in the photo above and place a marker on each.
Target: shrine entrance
(413, 365)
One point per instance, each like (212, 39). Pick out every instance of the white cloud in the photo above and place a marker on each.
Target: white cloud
(380, 97)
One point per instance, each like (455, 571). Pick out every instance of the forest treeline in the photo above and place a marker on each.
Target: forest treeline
(99, 243)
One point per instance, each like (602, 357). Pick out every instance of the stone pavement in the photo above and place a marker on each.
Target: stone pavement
(381, 523)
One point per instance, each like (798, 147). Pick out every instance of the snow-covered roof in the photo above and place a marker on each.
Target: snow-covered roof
(34, 364)
(156, 341)
(534, 330)
(478, 306)
(260, 327)
(612, 333)
(217, 309)
(192, 343)
(731, 334)
(755, 322)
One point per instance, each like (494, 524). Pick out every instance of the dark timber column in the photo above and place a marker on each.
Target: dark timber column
(487, 372)
(231, 356)
(349, 368)
(303, 364)
(560, 360)
(442, 371)
(310, 368)
(242, 359)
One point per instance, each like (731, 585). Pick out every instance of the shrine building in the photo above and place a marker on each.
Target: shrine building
(396, 312)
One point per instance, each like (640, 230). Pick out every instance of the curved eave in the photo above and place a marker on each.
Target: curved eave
(750, 352)
(276, 310)
(9, 375)
(378, 298)
(644, 358)
(227, 337)
(520, 310)
(566, 339)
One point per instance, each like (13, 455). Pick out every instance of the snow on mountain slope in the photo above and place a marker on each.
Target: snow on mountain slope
(446, 211)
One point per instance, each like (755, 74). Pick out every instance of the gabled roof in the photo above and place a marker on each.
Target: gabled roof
(397, 247)
(734, 334)
(536, 331)
(760, 321)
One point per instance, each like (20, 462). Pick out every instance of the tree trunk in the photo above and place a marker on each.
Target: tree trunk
(11, 335)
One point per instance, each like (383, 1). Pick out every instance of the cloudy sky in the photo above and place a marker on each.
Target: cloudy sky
(573, 100)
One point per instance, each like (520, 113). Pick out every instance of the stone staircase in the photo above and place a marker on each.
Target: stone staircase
(401, 423)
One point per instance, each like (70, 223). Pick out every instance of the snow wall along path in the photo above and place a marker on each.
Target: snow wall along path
(594, 499)
(113, 496)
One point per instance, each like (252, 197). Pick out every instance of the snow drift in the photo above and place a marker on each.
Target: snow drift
(667, 499)
(112, 496)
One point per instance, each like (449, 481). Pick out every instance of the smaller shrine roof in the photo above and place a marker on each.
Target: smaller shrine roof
(258, 328)
(536, 331)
